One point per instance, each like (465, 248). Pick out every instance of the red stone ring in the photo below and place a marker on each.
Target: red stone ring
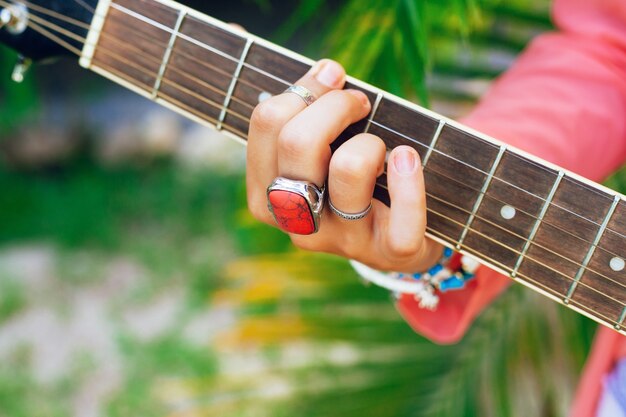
(296, 205)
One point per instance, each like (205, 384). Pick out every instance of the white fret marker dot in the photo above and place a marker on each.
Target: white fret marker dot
(508, 212)
(264, 95)
(617, 264)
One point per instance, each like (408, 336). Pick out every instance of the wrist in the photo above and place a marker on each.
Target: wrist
(449, 273)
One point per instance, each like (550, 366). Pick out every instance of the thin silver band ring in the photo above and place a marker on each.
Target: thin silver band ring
(307, 96)
(350, 216)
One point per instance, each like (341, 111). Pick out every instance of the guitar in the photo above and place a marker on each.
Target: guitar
(546, 228)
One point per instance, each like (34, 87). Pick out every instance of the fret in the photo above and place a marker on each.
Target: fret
(591, 251)
(537, 224)
(168, 53)
(615, 235)
(597, 303)
(129, 19)
(149, 10)
(491, 208)
(379, 97)
(509, 208)
(600, 291)
(479, 200)
(231, 88)
(463, 157)
(199, 77)
(93, 37)
(579, 209)
(433, 142)
(521, 183)
(397, 125)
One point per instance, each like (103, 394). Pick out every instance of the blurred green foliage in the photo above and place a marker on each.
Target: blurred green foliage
(397, 44)
(17, 101)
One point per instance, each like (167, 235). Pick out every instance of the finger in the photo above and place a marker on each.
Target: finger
(304, 142)
(238, 27)
(405, 239)
(353, 170)
(267, 121)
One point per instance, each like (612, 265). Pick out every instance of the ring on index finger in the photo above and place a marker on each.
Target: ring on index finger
(305, 94)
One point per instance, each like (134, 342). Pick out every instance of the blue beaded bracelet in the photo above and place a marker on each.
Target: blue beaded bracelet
(424, 286)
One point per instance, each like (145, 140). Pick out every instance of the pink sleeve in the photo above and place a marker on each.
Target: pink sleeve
(565, 101)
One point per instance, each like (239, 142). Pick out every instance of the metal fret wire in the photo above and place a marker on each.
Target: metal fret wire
(480, 171)
(233, 83)
(379, 98)
(168, 53)
(544, 210)
(479, 200)
(433, 143)
(591, 251)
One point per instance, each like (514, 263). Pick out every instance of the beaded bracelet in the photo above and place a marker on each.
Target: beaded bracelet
(452, 272)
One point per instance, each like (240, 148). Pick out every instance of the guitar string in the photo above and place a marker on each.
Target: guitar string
(378, 124)
(514, 234)
(55, 14)
(215, 104)
(85, 5)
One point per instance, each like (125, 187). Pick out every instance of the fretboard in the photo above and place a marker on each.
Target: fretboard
(537, 223)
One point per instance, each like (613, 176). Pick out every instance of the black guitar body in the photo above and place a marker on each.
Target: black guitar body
(37, 47)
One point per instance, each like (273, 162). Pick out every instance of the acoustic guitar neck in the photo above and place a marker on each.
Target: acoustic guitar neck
(537, 223)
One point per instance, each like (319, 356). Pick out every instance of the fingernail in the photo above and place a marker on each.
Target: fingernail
(405, 161)
(361, 96)
(329, 73)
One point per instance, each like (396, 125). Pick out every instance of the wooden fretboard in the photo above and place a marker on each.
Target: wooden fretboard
(541, 225)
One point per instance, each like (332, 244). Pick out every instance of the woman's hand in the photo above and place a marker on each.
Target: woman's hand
(291, 140)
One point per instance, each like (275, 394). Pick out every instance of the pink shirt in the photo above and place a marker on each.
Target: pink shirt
(565, 101)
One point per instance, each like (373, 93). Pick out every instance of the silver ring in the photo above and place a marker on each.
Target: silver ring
(303, 92)
(350, 216)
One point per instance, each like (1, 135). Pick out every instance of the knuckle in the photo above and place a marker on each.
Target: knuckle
(267, 116)
(349, 168)
(354, 245)
(343, 99)
(258, 208)
(403, 249)
(294, 143)
(259, 212)
(305, 243)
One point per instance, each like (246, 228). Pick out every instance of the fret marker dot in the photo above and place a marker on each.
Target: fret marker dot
(508, 212)
(264, 95)
(617, 264)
